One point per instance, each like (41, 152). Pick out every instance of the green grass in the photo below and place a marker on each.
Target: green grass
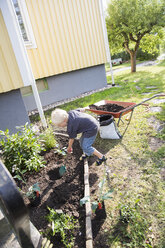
(145, 76)
(135, 174)
(136, 167)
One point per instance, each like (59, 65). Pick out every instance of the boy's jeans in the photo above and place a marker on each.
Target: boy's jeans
(86, 144)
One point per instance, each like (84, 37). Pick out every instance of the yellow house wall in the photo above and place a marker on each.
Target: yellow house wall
(10, 77)
(68, 35)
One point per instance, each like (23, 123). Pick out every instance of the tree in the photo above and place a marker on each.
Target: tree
(135, 23)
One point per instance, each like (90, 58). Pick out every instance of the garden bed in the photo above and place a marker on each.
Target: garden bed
(64, 193)
(59, 192)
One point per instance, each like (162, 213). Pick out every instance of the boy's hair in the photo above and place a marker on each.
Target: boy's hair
(58, 116)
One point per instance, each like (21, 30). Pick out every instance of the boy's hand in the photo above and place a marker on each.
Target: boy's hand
(69, 149)
(82, 109)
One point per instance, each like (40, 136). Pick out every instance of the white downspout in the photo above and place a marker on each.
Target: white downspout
(17, 42)
(108, 54)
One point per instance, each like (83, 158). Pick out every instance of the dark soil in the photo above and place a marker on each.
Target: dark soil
(65, 193)
(107, 107)
(59, 192)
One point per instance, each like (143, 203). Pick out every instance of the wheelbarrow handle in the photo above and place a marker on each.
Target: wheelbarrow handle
(158, 95)
(133, 106)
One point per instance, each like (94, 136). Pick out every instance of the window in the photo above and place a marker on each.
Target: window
(24, 23)
(42, 85)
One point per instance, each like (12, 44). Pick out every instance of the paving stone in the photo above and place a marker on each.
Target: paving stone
(157, 101)
(156, 124)
(155, 109)
(151, 87)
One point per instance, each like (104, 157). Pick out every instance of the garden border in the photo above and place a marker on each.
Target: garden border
(89, 236)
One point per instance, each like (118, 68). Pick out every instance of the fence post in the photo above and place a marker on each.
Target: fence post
(14, 209)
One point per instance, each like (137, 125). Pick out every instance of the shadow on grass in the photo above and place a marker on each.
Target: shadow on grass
(105, 145)
(99, 237)
(118, 234)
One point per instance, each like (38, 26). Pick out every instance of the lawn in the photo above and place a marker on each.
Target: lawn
(136, 213)
(135, 168)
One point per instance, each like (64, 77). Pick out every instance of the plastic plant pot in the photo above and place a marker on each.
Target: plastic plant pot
(34, 202)
(101, 211)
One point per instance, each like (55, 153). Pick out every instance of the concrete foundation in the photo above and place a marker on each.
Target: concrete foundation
(68, 85)
(12, 111)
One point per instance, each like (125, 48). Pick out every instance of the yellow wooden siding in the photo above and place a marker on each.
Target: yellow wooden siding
(68, 35)
(10, 77)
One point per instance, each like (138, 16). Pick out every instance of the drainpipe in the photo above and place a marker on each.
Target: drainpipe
(38, 103)
(20, 52)
(108, 54)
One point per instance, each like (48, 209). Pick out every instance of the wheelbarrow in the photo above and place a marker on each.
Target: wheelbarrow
(128, 107)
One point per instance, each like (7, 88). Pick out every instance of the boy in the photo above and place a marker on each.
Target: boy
(78, 122)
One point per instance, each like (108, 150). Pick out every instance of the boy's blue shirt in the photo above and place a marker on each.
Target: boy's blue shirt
(79, 122)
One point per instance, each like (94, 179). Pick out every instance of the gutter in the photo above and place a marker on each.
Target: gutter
(108, 54)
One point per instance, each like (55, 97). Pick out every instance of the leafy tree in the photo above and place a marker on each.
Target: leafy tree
(135, 23)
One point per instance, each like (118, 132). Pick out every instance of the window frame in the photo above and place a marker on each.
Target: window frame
(31, 43)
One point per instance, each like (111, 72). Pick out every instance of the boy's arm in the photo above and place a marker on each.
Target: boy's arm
(69, 149)
(82, 109)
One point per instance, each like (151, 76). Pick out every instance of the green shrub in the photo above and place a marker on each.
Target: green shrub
(21, 150)
(48, 138)
(62, 224)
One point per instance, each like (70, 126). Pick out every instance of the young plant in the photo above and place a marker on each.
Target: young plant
(33, 191)
(19, 174)
(62, 224)
(48, 138)
(59, 151)
(21, 150)
(101, 196)
(100, 199)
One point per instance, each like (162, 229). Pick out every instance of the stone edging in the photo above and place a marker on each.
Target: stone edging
(88, 210)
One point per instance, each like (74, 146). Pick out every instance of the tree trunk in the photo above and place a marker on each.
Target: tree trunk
(133, 62)
(132, 54)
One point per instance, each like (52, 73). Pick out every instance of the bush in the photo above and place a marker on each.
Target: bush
(61, 224)
(140, 55)
(145, 55)
(48, 138)
(21, 150)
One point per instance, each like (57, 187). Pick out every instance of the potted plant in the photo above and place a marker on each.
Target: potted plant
(33, 195)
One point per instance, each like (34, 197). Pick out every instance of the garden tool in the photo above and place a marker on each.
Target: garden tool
(62, 169)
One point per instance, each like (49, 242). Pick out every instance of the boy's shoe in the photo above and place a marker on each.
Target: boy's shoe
(83, 157)
(101, 160)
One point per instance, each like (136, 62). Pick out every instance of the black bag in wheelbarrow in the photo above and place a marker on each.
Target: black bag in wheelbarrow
(108, 129)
